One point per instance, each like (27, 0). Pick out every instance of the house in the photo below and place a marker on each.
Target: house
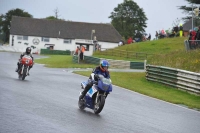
(61, 35)
(187, 26)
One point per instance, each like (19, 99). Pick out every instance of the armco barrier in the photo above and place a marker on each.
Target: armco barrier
(8, 48)
(55, 52)
(185, 80)
(121, 64)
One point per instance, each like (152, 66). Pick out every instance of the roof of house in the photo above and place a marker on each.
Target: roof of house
(63, 29)
(188, 25)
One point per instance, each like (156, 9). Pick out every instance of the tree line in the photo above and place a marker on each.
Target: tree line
(127, 18)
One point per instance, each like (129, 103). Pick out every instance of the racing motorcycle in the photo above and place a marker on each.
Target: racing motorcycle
(95, 97)
(25, 63)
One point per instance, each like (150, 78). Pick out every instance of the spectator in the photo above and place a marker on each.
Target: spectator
(77, 52)
(149, 37)
(130, 40)
(181, 30)
(120, 43)
(192, 39)
(156, 35)
(82, 52)
(198, 37)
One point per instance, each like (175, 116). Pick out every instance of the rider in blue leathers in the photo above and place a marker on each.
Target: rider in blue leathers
(101, 69)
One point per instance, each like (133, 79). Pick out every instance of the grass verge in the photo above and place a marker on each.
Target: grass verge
(137, 82)
(61, 61)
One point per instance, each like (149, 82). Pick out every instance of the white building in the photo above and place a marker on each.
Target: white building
(61, 35)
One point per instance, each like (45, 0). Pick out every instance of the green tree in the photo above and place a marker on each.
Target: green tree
(1, 19)
(188, 9)
(6, 19)
(128, 19)
(51, 18)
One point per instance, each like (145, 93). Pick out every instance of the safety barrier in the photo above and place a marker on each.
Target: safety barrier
(124, 53)
(191, 44)
(55, 52)
(11, 49)
(184, 80)
(8, 48)
(120, 64)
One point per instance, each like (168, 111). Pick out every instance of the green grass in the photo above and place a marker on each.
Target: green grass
(137, 82)
(168, 52)
(62, 61)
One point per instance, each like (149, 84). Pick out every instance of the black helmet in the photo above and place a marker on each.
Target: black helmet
(28, 50)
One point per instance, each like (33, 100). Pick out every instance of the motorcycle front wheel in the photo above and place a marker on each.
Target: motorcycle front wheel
(81, 104)
(24, 73)
(98, 106)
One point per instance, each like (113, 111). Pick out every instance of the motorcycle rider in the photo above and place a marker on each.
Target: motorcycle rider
(101, 69)
(27, 52)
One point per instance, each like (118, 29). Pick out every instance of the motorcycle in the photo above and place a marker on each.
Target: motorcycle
(95, 97)
(25, 63)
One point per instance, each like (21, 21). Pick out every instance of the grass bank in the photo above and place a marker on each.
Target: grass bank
(61, 61)
(168, 52)
(137, 82)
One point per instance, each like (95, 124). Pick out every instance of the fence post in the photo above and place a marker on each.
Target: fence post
(145, 63)
(187, 48)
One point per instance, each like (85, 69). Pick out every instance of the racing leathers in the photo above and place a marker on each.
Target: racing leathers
(96, 71)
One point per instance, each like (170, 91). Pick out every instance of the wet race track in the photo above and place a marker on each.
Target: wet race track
(46, 102)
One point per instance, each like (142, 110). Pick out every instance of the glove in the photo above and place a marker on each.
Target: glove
(96, 77)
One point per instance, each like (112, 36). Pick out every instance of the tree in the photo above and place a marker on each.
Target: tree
(128, 19)
(188, 9)
(54, 17)
(6, 19)
(51, 18)
(1, 19)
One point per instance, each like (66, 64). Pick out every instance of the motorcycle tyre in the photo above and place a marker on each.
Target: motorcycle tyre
(24, 73)
(101, 99)
(81, 104)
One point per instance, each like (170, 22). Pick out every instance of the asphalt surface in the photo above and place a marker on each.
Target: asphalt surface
(47, 102)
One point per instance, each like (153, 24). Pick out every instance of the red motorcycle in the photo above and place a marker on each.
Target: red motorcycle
(25, 63)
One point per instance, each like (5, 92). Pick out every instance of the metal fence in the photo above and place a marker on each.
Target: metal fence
(120, 64)
(125, 54)
(184, 80)
(191, 44)
(55, 52)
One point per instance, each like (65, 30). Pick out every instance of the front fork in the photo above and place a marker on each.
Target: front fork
(23, 69)
(98, 95)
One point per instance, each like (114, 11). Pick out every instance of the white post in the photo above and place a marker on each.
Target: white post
(145, 63)
(192, 16)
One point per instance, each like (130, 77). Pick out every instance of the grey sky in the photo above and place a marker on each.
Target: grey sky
(160, 13)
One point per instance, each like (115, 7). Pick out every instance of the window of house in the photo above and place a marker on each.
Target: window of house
(67, 41)
(25, 37)
(45, 39)
(22, 37)
(19, 37)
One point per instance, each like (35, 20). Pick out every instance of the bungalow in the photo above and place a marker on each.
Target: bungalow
(61, 35)
(187, 26)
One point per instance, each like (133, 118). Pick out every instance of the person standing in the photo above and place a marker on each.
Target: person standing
(77, 52)
(181, 30)
(198, 37)
(156, 35)
(82, 52)
(149, 37)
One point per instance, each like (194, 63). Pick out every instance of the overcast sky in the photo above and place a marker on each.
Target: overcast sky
(160, 13)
